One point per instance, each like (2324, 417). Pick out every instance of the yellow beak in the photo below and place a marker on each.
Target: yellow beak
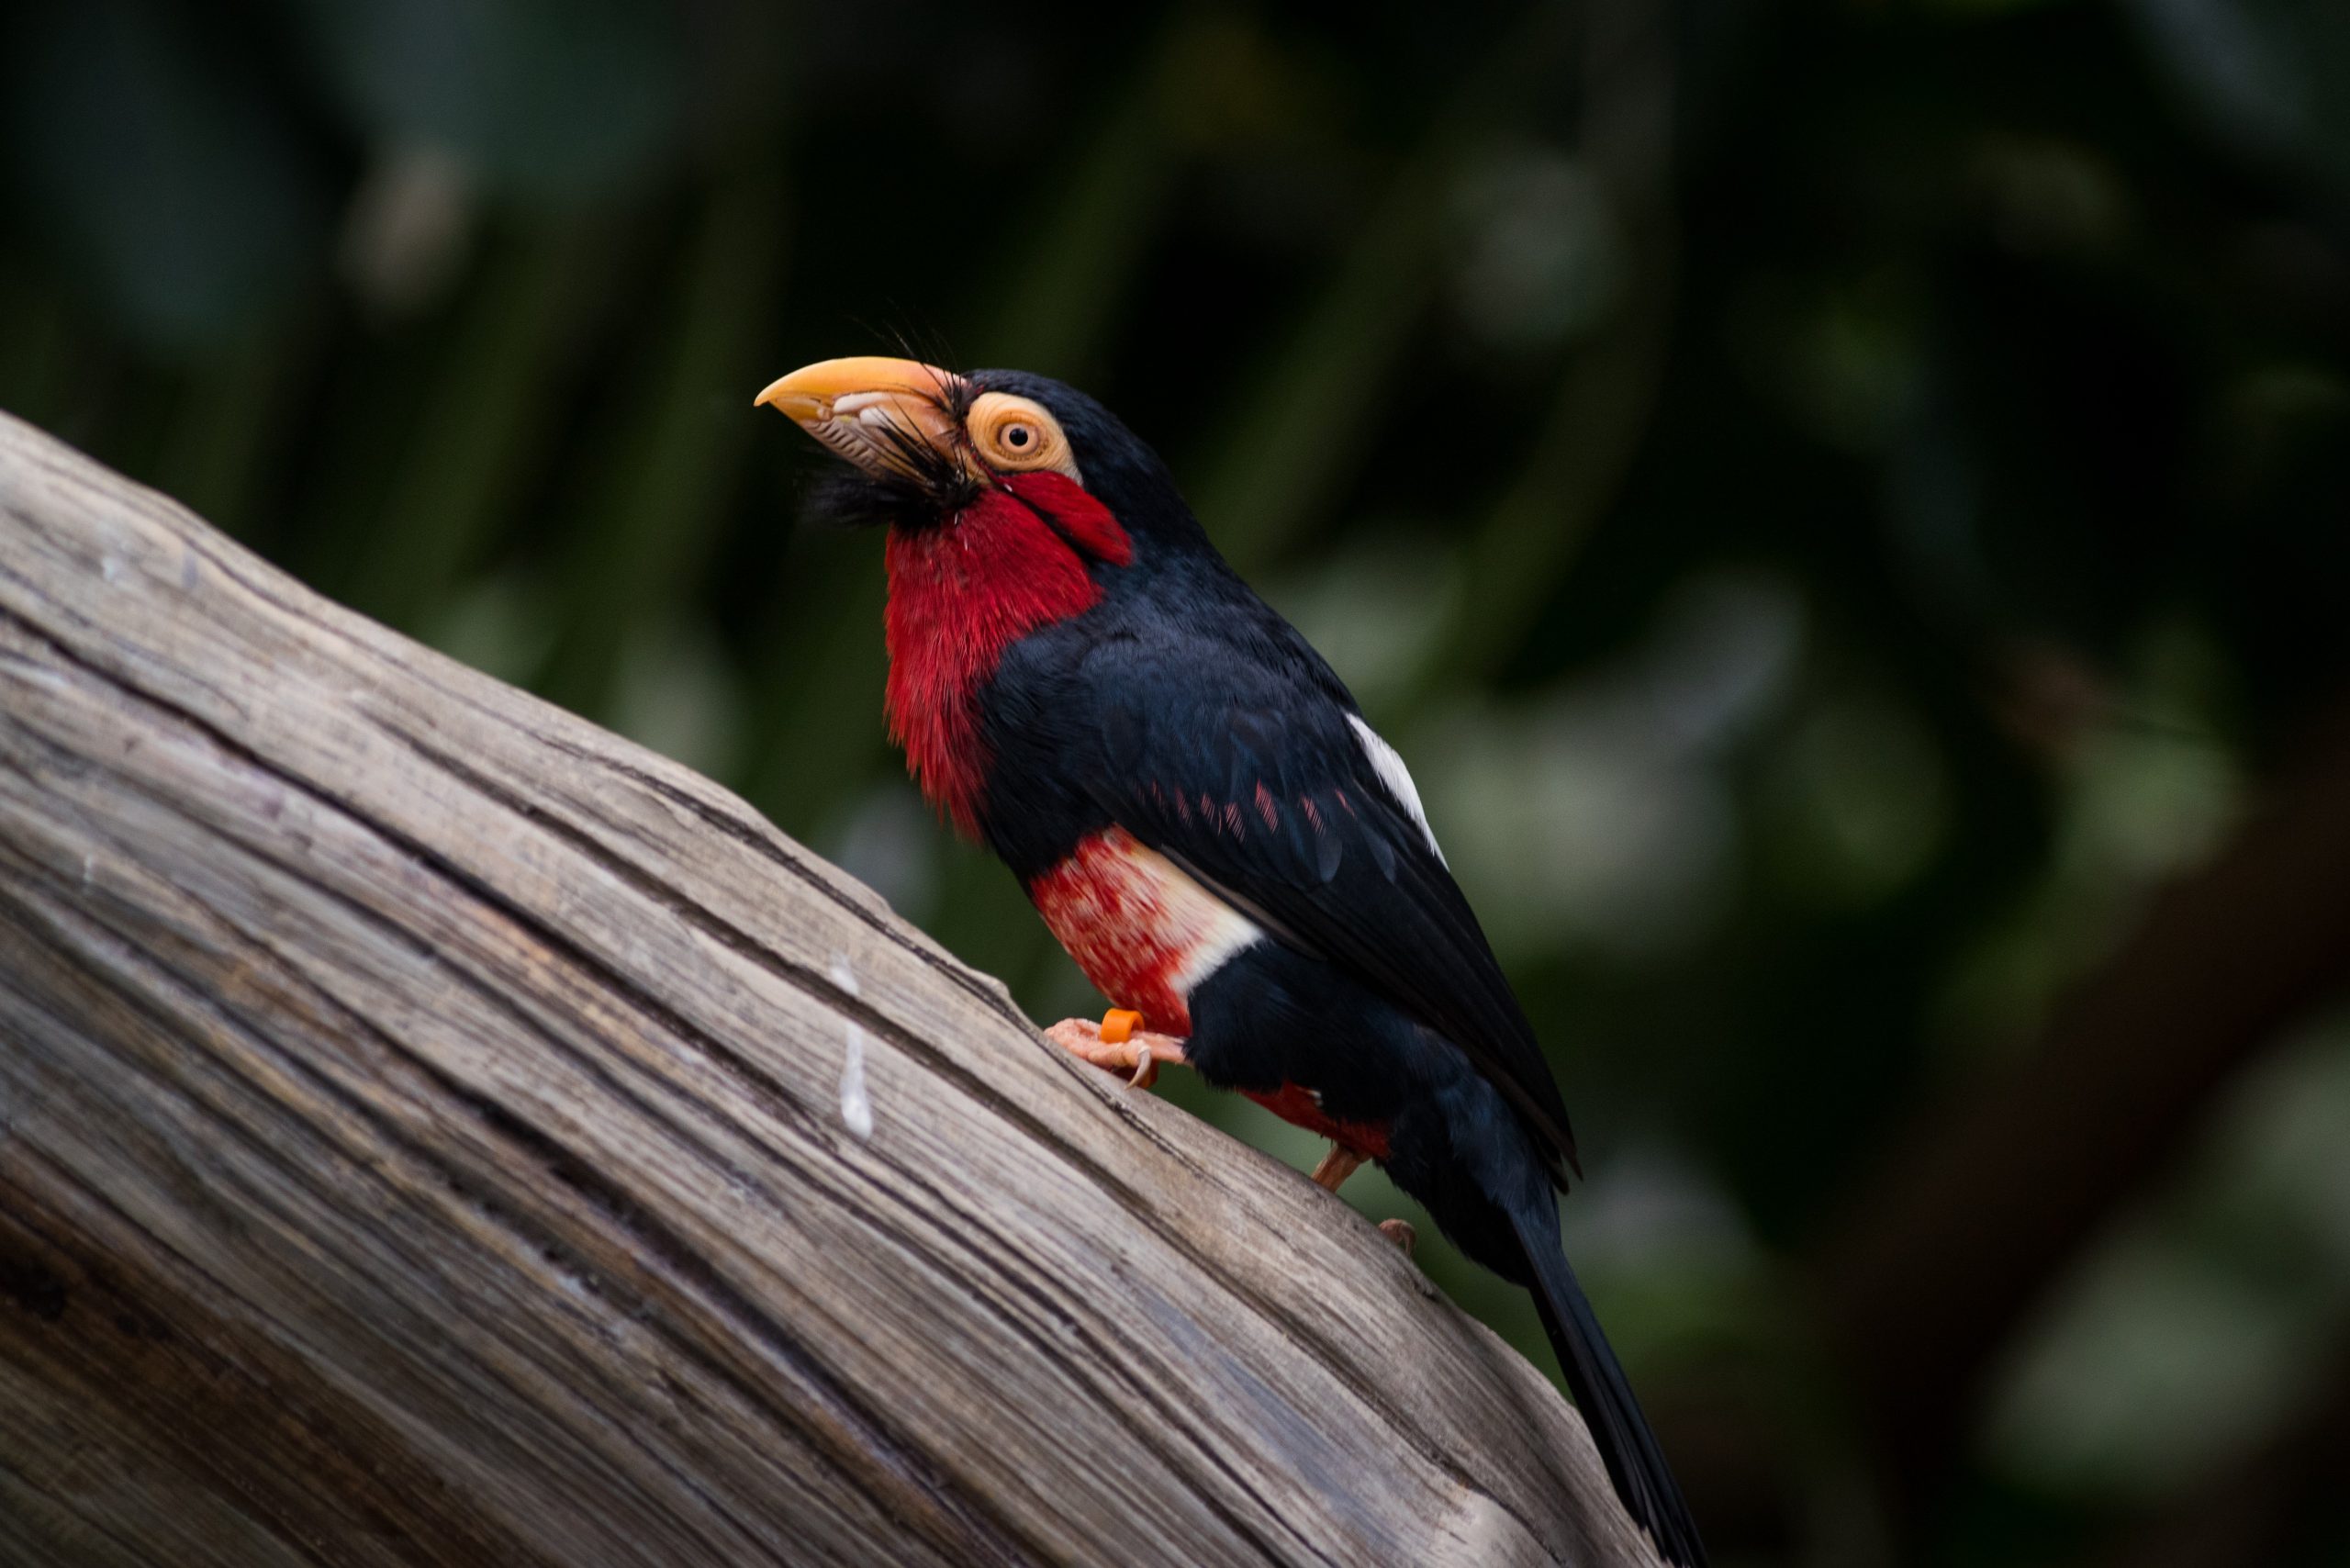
(893, 416)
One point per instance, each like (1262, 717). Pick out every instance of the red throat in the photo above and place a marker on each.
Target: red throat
(962, 593)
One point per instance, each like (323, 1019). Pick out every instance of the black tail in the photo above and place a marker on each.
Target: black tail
(1627, 1446)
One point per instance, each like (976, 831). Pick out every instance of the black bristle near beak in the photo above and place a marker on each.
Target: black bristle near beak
(842, 497)
(930, 487)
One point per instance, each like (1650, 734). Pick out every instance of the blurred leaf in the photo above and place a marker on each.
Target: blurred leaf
(216, 449)
(1062, 281)
(2269, 74)
(2168, 1355)
(500, 391)
(170, 186)
(1294, 437)
(1543, 259)
(677, 694)
(1855, 801)
(36, 348)
(1606, 396)
(819, 713)
(503, 624)
(1304, 425)
(660, 493)
(565, 100)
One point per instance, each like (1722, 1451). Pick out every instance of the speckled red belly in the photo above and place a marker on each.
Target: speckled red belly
(1147, 935)
(1144, 931)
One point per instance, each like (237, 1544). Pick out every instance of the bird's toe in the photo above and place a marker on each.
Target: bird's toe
(1116, 1046)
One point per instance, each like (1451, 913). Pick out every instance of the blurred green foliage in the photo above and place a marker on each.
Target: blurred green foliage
(1839, 502)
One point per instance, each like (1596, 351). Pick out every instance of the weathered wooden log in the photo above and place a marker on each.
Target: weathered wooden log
(435, 1131)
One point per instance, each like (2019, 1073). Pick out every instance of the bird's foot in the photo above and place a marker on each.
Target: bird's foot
(1331, 1174)
(1337, 1166)
(1116, 1045)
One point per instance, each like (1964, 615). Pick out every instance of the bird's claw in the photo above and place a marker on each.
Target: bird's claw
(1401, 1233)
(1115, 1045)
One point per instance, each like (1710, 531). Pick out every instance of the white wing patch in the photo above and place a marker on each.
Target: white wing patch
(1389, 765)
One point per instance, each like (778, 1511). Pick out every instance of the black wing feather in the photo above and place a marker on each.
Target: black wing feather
(1344, 870)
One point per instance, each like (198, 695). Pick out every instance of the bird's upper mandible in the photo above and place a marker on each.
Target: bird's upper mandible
(915, 421)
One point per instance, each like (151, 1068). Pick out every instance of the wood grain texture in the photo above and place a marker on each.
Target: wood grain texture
(422, 1141)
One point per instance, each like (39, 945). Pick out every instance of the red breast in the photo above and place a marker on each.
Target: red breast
(963, 592)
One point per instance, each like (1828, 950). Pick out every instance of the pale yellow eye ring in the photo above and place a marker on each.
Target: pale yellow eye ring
(1016, 435)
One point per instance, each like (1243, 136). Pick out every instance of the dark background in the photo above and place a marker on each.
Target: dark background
(1842, 505)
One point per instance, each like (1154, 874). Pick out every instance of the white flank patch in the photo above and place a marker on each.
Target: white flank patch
(856, 1105)
(1388, 764)
(1224, 931)
(1123, 905)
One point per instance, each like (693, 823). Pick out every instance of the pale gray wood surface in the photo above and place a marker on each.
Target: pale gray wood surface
(422, 1140)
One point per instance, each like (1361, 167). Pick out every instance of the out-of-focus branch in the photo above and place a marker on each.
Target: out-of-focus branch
(2252, 1510)
(1980, 1208)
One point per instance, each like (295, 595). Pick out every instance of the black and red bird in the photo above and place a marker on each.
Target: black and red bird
(1199, 810)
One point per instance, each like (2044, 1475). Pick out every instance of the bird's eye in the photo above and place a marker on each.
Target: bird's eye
(1014, 435)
